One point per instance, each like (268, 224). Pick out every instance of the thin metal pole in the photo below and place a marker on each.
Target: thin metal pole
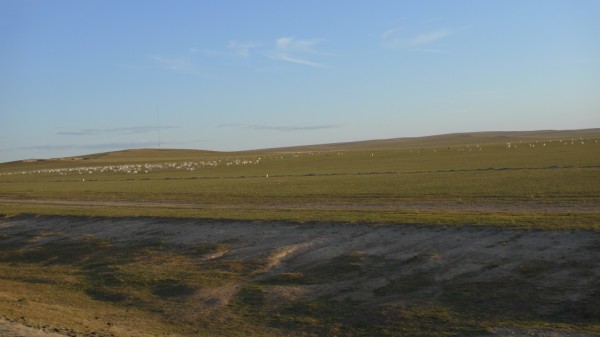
(158, 125)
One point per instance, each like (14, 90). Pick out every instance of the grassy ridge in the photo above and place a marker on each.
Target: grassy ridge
(452, 178)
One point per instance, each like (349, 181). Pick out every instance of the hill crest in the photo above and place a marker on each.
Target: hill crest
(451, 139)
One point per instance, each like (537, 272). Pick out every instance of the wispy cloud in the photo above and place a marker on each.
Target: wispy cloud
(288, 128)
(429, 50)
(390, 32)
(120, 131)
(290, 44)
(181, 65)
(98, 146)
(428, 38)
(432, 20)
(292, 59)
(134, 67)
(403, 38)
(292, 50)
(231, 125)
(282, 128)
(103, 146)
(243, 48)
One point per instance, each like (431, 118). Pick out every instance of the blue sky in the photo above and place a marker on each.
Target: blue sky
(81, 77)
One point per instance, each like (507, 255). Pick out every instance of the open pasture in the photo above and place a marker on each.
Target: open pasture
(523, 179)
(487, 234)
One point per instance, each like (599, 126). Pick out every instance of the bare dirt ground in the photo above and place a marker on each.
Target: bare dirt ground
(14, 329)
(557, 273)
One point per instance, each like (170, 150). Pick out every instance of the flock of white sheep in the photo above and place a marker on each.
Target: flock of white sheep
(572, 141)
(140, 168)
(192, 166)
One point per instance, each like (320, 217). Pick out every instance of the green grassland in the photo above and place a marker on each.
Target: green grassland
(545, 178)
(453, 235)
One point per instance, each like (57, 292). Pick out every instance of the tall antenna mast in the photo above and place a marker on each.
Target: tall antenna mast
(158, 125)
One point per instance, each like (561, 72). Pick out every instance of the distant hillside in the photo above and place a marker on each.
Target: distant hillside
(454, 139)
(485, 137)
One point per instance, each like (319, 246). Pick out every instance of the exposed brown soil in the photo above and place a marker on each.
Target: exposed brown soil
(554, 274)
(15, 329)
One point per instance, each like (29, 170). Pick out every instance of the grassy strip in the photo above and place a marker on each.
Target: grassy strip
(554, 221)
(451, 180)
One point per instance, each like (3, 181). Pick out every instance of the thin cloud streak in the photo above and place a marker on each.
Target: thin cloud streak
(428, 38)
(282, 128)
(395, 39)
(180, 65)
(121, 131)
(231, 125)
(291, 59)
(432, 20)
(294, 128)
(99, 146)
(390, 32)
(292, 50)
(243, 48)
(290, 44)
(427, 50)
